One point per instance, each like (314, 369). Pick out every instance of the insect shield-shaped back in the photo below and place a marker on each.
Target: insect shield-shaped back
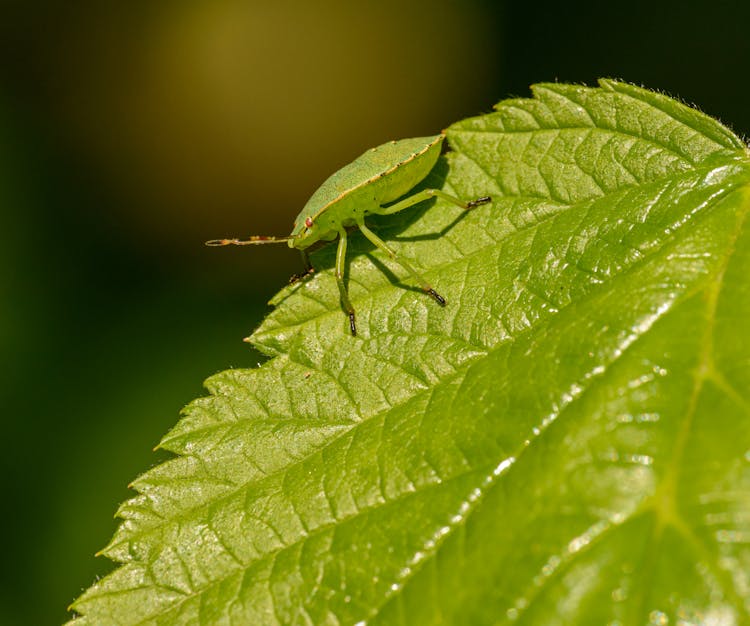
(370, 184)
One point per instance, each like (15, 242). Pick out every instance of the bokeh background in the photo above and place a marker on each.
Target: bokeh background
(130, 132)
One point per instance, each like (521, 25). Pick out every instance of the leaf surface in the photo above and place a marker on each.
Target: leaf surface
(568, 441)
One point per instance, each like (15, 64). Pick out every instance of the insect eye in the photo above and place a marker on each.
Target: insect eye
(308, 222)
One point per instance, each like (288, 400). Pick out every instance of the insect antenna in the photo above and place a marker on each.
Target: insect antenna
(255, 239)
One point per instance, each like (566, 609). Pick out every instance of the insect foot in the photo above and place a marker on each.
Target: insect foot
(479, 201)
(295, 278)
(435, 296)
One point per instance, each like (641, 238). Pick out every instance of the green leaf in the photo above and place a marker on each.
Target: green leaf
(567, 442)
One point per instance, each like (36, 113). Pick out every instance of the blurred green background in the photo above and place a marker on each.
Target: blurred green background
(131, 132)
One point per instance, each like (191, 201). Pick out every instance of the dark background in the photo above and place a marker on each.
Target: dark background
(131, 132)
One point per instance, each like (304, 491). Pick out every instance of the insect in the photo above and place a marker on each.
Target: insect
(373, 183)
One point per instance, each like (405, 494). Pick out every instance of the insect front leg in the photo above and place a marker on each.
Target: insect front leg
(340, 265)
(426, 194)
(407, 266)
(309, 269)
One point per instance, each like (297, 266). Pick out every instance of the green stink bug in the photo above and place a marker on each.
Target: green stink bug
(366, 186)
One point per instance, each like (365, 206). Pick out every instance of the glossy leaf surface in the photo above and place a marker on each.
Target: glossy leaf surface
(566, 442)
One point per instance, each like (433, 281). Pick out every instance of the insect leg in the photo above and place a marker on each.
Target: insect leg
(426, 194)
(309, 269)
(340, 264)
(407, 266)
(306, 262)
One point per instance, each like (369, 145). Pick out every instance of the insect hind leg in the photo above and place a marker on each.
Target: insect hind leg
(426, 194)
(426, 287)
